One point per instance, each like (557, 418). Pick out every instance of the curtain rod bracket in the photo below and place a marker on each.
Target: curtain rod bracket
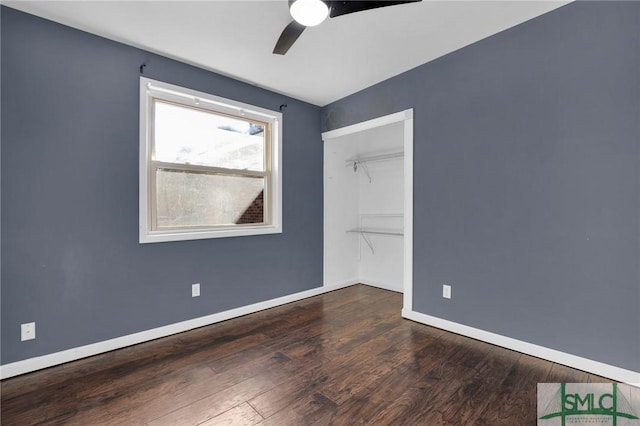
(142, 68)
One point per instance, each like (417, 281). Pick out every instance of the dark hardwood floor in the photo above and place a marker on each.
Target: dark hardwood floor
(343, 358)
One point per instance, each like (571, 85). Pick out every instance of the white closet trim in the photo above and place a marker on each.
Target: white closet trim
(405, 116)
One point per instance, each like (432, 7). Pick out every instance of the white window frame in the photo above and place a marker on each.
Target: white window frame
(153, 89)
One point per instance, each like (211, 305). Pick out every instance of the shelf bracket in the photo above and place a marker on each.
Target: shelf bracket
(357, 164)
(368, 241)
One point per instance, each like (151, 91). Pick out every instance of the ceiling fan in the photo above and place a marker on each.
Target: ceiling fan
(309, 13)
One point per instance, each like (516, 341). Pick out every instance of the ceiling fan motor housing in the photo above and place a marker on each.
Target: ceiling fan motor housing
(333, 8)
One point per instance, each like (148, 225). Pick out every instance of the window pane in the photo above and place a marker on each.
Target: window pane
(188, 199)
(192, 136)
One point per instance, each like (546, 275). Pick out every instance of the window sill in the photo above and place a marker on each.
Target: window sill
(173, 235)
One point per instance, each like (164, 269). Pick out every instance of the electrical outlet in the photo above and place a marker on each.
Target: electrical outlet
(28, 331)
(446, 291)
(195, 290)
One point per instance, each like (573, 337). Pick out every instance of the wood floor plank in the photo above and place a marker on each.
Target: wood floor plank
(562, 374)
(469, 400)
(288, 393)
(312, 409)
(332, 319)
(597, 379)
(310, 344)
(454, 395)
(157, 389)
(212, 405)
(307, 383)
(369, 400)
(432, 370)
(240, 415)
(352, 378)
(362, 407)
(515, 402)
(341, 358)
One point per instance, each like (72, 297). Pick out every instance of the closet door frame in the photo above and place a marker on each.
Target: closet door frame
(405, 116)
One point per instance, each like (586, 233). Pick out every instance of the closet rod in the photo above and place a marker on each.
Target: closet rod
(372, 158)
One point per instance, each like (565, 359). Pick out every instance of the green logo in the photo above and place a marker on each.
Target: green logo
(588, 403)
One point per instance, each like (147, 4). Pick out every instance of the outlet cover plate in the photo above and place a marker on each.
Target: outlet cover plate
(28, 331)
(195, 290)
(446, 291)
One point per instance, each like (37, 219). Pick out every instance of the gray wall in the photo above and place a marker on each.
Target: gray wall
(527, 148)
(71, 261)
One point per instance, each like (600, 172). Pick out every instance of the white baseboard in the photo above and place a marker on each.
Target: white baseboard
(341, 284)
(354, 281)
(49, 360)
(384, 286)
(580, 363)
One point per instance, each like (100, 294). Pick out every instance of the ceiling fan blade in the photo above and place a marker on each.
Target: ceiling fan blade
(289, 36)
(339, 8)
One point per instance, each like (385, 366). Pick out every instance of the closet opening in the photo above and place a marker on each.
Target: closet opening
(368, 204)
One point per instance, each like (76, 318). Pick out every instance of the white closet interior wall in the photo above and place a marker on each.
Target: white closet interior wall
(370, 198)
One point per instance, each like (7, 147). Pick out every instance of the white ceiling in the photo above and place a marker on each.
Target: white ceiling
(337, 58)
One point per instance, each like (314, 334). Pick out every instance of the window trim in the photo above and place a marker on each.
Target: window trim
(153, 89)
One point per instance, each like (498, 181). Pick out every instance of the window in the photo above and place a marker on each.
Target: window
(209, 166)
